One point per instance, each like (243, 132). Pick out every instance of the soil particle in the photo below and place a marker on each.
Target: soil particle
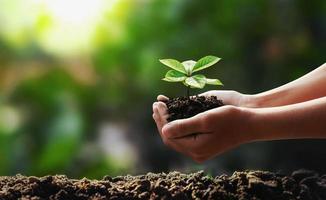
(184, 107)
(301, 185)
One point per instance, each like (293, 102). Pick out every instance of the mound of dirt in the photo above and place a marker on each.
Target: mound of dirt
(184, 107)
(301, 185)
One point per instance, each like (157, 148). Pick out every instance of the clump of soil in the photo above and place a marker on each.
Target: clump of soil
(184, 107)
(241, 185)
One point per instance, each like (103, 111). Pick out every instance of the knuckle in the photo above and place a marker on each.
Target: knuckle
(231, 109)
(161, 105)
(166, 132)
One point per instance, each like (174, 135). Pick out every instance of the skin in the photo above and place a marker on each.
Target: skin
(293, 111)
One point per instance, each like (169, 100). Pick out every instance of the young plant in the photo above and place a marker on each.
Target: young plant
(184, 72)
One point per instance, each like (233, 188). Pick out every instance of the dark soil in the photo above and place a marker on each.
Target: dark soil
(184, 107)
(301, 185)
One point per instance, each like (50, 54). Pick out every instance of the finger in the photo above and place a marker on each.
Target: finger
(192, 135)
(157, 118)
(162, 98)
(206, 94)
(227, 96)
(204, 145)
(160, 123)
(185, 143)
(154, 106)
(193, 146)
(183, 127)
(163, 111)
(160, 115)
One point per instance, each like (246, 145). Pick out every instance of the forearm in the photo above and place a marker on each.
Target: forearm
(302, 120)
(308, 87)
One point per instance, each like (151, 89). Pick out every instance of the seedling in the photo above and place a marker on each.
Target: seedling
(183, 72)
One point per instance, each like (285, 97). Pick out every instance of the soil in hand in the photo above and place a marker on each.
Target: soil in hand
(184, 107)
(303, 185)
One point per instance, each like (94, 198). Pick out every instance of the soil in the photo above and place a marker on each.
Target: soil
(300, 185)
(184, 107)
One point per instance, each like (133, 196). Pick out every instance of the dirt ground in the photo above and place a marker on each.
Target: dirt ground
(184, 107)
(301, 185)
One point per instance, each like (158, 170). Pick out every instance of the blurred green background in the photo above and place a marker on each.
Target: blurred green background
(78, 78)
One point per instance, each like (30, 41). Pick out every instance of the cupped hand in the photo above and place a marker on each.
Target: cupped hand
(160, 115)
(207, 134)
(230, 97)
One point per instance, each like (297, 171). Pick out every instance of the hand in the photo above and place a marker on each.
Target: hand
(207, 134)
(230, 97)
(160, 115)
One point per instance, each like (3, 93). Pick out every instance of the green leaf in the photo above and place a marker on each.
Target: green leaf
(189, 65)
(213, 81)
(201, 79)
(174, 76)
(174, 64)
(196, 81)
(205, 62)
(199, 76)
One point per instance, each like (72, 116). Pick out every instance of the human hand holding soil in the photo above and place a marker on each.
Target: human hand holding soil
(206, 134)
(295, 110)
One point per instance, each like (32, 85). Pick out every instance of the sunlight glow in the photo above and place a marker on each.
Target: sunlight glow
(72, 25)
(61, 27)
(74, 12)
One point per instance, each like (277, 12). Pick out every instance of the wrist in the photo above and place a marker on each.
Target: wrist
(251, 101)
(256, 123)
(265, 124)
(261, 100)
(250, 127)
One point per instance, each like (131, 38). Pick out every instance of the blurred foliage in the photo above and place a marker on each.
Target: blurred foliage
(67, 68)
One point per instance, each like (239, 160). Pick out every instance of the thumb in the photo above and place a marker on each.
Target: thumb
(183, 127)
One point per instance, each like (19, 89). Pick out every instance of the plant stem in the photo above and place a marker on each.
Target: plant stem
(188, 92)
